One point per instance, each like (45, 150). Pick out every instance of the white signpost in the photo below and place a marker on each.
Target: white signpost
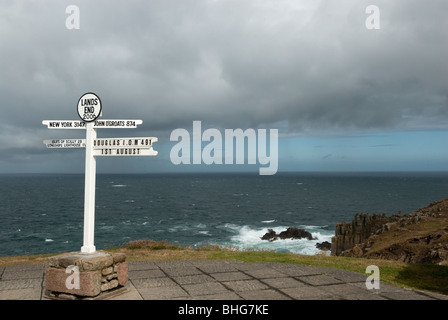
(89, 109)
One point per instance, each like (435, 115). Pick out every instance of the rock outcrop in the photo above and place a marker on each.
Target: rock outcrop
(347, 235)
(324, 246)
(419, 237)
(290, 233)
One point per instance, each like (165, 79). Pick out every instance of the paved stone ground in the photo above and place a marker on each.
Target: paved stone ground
(222, 280)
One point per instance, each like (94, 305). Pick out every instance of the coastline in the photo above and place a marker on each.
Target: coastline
(432, 219)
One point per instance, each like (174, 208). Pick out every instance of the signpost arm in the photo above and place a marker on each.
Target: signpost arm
(89, 192)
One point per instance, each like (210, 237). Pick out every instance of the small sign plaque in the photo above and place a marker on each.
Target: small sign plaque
(142, 142)
(89, 107)
(111, 152)
(65, 143)
(103, 124)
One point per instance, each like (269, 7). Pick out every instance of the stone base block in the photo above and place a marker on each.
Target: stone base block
(78, 275)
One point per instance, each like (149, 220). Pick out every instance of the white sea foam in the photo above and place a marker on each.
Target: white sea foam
(250, 238)
(118, 185)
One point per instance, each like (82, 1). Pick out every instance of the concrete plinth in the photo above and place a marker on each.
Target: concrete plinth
(77, 275)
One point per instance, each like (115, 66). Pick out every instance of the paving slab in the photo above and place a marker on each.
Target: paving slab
(143, 274)
(163, 293)
(319, 280)
(202, 289)
(246, 285)
(265, 272)
(191, 279)
(153, 282)
(182, 271)
(222, 280)
(282, 283)
(347, 276)
(307, 292)
(21, 294)
(267, 294)
(230, 276)
(20, 284)
(226, 296)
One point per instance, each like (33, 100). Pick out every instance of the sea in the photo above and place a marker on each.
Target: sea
(43, 213)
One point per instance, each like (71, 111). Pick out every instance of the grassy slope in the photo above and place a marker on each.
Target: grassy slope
(402, 236)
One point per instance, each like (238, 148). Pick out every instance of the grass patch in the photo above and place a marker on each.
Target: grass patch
(425, 277)
(150, 245)
(25, 259)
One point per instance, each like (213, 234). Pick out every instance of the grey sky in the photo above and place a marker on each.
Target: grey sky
(310, 68)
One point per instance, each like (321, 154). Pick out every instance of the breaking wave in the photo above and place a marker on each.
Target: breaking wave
(249, 238)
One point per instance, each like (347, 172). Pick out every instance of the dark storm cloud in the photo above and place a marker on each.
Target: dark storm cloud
(311, 65)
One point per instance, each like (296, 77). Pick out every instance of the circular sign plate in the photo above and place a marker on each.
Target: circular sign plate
(89, 107)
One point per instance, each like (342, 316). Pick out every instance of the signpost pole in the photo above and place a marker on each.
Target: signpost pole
(89, 192)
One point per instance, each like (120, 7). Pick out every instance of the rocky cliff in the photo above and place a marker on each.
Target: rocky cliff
(419, 237)
(347, 235)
